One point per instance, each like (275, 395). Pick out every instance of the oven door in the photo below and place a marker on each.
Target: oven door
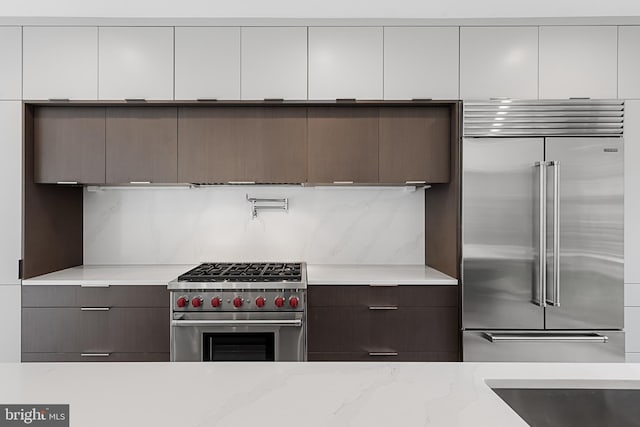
(251, 336)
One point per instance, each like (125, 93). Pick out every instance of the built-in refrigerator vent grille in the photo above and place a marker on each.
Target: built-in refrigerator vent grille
(543, 118)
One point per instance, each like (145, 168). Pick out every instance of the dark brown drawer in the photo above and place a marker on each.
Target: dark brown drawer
(364, 295)
(78, 296)
(366, 357)
(118, 330)
(414, 329)
(112, 357)
(337, 328)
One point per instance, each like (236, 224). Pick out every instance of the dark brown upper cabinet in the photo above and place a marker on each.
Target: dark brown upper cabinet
(242, 144)
(343, 144)
(142, 145)
(415, 144)
(69, 145)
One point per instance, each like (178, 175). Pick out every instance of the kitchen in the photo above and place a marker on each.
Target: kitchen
(361, 238)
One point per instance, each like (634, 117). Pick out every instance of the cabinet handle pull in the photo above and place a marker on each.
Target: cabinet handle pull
(95, 308)
(383, 307)
(67, 182)
(383, 353)
(95, 354)
(135, 100)
(97, 285)
(415, 182)
(343, 182)
(241, 182)
(139, 182)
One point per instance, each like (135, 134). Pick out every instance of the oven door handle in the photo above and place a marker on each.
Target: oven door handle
(296, 322)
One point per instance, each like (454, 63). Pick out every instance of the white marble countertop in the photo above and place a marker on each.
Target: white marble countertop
(336, 274)
(317, 274)
(293, 394)
(112, 275)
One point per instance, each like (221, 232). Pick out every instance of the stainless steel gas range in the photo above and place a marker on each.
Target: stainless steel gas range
(239, 312)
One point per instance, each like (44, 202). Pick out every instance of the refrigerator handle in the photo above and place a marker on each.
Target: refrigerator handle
(555, 279)
(541, 299)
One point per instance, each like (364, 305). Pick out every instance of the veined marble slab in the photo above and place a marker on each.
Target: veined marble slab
(293, 394)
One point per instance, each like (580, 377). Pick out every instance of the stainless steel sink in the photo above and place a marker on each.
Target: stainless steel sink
(567, 407)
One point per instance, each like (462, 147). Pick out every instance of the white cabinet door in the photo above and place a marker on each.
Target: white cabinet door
(629, 62)
(11, 63)
(136, 62)
(421, 62)
(274, 63)
(207, 62)
(578, 62)
(345, 62)
(498, 62)
(60, 62)
(631, 192)
(10, 302)
(10, 190)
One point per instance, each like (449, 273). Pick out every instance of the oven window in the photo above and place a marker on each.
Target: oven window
(234, 347)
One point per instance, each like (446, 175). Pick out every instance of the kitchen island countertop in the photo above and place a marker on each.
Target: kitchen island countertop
(317, 274)
(292, 394)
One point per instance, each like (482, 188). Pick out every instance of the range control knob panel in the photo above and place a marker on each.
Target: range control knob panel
(260, 302)
(279, 302)
(237, 302)
(196, 302)
(216, 302)
(182, 302)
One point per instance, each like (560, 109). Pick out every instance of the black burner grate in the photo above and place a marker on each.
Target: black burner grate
(244, 272)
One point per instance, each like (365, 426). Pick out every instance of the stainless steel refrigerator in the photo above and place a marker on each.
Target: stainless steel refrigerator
(542, 227)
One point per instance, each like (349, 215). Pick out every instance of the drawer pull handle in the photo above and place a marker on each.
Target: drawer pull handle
(383, 307)
(95, 354)
(97, 285)
(95, 308)
(383, 285)
(383, 353)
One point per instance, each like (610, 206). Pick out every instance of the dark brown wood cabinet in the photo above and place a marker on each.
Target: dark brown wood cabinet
(401, 323)
(343, 144)
(256, 144)
(74, 323)
(69, 145)
(141, 145)
(414, 144)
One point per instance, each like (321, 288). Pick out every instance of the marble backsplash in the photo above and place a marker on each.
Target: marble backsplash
(339, 225)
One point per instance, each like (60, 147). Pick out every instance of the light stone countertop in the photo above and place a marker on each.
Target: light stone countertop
(317, 274)
(293, 394)
(336, 274)
(112, 275)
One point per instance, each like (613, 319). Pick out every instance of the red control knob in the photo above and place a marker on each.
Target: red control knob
(215, 302)
(237, 302)
(279, 301)
(293, 302)
(260, 302)
(182, 302)
(196, 302)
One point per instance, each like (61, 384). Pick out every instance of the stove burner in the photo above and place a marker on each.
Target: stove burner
(244, 272)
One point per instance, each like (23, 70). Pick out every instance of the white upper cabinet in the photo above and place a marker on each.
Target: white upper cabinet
(578, 62)
(60, 62)
(136, 62)
(345, 62)
(628, 62)
(421, 62)
(498, 62)
(274, 62)
(11, 63)
(10, 190)
(207, 62)
(631, 192)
